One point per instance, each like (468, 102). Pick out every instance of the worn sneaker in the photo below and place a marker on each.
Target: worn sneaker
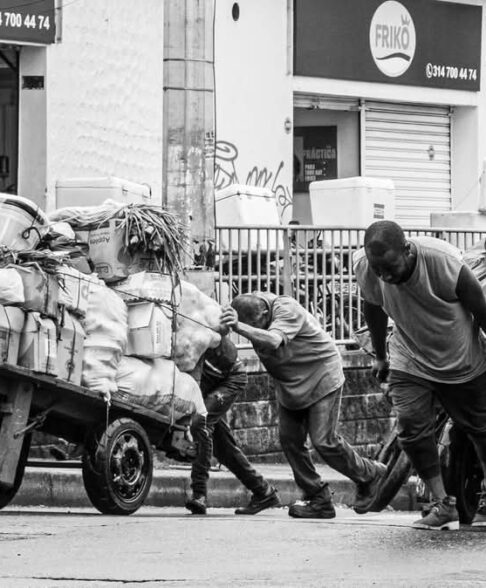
(259, 503)
(443, 516)
(197, 505)
(479, 519)
(320, 506)
(366, 491)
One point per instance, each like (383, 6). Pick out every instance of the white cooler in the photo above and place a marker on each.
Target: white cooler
(95, 190)
(242, 206)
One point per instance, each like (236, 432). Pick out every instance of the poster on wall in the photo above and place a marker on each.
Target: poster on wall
(315, 155)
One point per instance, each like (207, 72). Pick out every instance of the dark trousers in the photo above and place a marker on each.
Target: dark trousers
(217, 437)
(319, 421)
(415, 400)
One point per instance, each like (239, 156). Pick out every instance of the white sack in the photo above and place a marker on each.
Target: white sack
(106, 329)
(11, 287)
(151, 384)
(197, 319)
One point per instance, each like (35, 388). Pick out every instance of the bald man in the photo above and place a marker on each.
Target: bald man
(436, 351)
(307, 369)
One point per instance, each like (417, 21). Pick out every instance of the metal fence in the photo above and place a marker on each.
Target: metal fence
(312, 264)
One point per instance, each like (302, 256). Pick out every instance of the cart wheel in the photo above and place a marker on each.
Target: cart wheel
(117, 467)
(8, 494)
(399, 469)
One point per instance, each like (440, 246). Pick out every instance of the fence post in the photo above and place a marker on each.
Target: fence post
(287, 263)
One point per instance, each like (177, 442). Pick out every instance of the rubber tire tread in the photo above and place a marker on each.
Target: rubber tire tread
(97, 480)
(8, 494)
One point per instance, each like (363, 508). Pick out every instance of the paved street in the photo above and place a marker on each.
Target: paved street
(76, 548)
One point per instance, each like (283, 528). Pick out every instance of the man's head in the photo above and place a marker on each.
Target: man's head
(252, 310)
(389, 254)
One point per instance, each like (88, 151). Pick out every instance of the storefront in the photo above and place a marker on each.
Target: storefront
(391, 90)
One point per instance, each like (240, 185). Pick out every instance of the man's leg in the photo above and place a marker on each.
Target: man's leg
(230, 455)
(334, 450)
(293, 429)
(202, 434)
(414, 401)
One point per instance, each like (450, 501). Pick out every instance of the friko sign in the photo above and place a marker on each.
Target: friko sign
(392, 38)
(27, 22)
(414, 42)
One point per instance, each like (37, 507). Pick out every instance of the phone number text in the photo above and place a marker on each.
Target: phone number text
(16, 20)
(450, 72)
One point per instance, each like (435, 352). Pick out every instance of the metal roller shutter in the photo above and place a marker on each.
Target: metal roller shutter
(412, 146)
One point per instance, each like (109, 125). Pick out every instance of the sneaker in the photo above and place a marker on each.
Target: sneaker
(259, 503)
(479, 519)
(442, 516)
(366, 491)
(320, 506)
(197, 505)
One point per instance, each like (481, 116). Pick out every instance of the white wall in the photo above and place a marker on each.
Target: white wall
(104, 94)
(254, 97)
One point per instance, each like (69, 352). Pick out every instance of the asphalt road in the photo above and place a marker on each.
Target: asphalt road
(165, 547)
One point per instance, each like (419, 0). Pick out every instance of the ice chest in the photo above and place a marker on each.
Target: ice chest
(351, 202)
(149, 331)
(70, 344)
(38, 346)
(93, 191)
(241, 206)
(11, 325)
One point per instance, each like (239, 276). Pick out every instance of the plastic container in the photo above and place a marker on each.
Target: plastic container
(21, 222)
(241, 206)
(351, 202)
(95, 190)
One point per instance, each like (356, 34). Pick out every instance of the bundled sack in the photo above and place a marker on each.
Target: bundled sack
(198, 315)
(11, 287)
(105, 326)
(38, 344)
(41, 290)
(159, 385)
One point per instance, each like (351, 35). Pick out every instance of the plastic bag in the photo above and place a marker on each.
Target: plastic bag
(11, 287)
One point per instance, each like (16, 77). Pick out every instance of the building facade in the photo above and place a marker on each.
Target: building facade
(314, 89)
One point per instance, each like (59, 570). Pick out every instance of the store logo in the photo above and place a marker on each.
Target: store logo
(392, 38)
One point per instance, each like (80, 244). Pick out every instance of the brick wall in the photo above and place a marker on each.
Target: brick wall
(364, 421)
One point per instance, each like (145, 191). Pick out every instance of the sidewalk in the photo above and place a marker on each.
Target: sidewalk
(63, 487)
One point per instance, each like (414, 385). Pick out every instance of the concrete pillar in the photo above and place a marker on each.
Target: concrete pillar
(188, 153)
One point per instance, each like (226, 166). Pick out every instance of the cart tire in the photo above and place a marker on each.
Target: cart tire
(399, 469)
(117, 467)
(8, 494)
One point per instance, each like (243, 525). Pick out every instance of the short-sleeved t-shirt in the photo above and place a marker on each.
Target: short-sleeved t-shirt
(307, 366)
(434, 336)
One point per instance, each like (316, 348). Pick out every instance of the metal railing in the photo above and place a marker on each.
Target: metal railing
(312, 264)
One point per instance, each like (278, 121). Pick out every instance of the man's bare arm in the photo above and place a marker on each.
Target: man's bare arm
(471, 295)
(260, 337)
(377, 321)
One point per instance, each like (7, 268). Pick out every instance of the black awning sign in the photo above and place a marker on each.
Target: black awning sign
(27, 22)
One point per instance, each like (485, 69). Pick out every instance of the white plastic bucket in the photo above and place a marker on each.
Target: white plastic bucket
(20, 222)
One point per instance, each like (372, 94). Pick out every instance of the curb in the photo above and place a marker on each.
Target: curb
(55, 487)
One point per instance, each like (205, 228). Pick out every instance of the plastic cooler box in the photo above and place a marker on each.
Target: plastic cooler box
(95, 190)
(243, 206)
(351, 202)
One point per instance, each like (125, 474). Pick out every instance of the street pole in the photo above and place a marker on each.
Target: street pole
(189, 122)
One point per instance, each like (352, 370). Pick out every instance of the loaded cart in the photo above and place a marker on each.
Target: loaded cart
(117, 436)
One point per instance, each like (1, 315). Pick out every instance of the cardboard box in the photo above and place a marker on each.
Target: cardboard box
(108, 253)
(70, 349)
(38, 345)
(11, 324)
(41, 291)
(149, 331)
(73, 289)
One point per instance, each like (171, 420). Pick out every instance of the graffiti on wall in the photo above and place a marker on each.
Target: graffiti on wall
(226, 173)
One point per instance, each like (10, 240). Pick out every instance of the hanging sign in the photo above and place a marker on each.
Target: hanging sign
(315, 155)
(413, 42)
(27, 22)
